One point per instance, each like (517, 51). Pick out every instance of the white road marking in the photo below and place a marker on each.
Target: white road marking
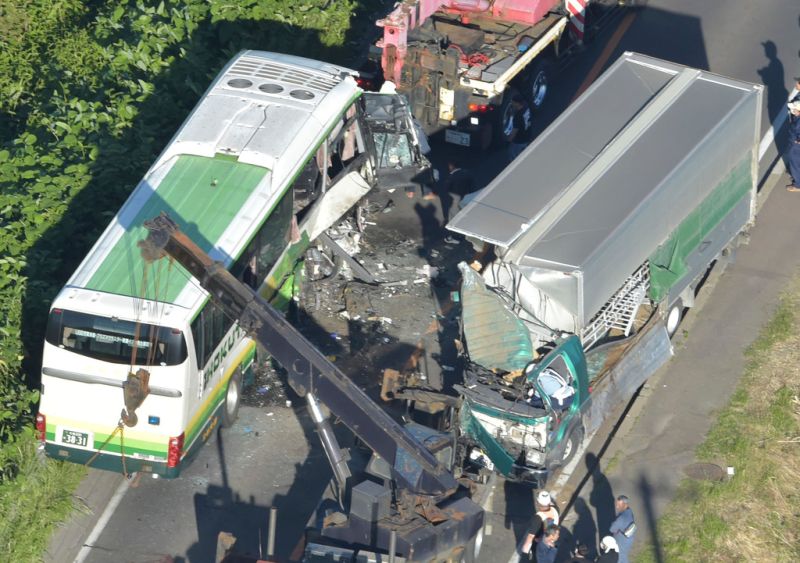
(103, 520)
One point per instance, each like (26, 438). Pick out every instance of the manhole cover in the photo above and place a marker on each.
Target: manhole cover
(705, 472)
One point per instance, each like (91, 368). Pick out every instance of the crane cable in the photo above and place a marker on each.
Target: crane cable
(121, 429)
(136, 388)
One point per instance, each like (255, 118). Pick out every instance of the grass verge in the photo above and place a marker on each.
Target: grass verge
(754, 515)
(32, 504)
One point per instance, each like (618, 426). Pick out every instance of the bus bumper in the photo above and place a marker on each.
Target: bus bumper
(110, 461)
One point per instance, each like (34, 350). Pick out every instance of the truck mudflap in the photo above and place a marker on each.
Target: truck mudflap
(653, 350)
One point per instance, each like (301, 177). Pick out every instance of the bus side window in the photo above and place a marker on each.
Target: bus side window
(222, 323)
(343, 144)
(197, 338)
(267, 245)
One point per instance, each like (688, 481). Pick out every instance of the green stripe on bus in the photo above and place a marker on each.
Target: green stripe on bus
(132, 445)
(203, 195)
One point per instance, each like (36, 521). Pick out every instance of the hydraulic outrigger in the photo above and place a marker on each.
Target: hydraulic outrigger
(407, 496)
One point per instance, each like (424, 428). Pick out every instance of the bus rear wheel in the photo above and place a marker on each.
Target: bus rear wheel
(230, 408)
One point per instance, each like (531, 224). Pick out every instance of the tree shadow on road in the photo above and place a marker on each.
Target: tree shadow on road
(646, 495)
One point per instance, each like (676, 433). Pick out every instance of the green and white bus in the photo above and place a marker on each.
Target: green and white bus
(277, 151)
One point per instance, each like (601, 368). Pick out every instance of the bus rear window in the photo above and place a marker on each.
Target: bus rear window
(116, 341)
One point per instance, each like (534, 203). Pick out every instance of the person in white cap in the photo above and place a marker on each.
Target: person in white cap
(609, 550)
(546, 515)
(793, 154)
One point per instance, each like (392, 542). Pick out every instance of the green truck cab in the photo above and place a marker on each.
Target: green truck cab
(550, 425)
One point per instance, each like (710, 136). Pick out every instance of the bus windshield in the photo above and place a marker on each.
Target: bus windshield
(116, 341)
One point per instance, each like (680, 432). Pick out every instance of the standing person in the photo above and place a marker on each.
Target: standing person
(793, 154)
(519, 135)
(546, 550)
(623, 528)
(459, 182)
(609, 551)
(796, 97)
(546, 515)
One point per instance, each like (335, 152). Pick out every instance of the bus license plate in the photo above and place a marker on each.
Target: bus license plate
(456, 137)
(73, 438)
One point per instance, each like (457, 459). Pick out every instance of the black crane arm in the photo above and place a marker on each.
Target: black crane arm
(414, 468)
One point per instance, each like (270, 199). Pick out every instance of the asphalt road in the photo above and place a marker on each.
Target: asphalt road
(275, 460)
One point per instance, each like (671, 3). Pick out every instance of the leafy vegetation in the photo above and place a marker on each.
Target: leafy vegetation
(90, 92)
(34, 502)
(753, 516)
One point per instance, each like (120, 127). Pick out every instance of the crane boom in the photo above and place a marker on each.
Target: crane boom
(421, 511)
(414, 468)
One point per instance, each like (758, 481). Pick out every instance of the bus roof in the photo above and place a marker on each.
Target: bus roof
(223, 171)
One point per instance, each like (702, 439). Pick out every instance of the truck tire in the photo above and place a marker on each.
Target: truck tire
(502, 120)
(230, 405)
(574, 441)
(674, 317)
(537, 82)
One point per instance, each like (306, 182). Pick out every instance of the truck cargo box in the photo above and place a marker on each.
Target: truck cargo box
(609, 184)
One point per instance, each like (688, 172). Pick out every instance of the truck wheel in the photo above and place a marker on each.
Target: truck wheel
(537, 83)
(502, 121)
(574, 441)
(230, 407)
(674, 317)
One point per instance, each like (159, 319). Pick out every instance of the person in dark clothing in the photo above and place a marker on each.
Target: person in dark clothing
(546, 515)
(793, 154)
(609, 550)
(519, 135)
(459, 183)
(546, 549)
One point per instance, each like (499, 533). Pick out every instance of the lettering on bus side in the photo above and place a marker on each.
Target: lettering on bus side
(221, 353)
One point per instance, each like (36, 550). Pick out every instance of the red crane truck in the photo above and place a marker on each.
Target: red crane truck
(459, 61)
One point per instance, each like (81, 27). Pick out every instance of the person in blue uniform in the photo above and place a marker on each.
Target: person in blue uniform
(623, 529)
(546, 550)
(793, 154)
